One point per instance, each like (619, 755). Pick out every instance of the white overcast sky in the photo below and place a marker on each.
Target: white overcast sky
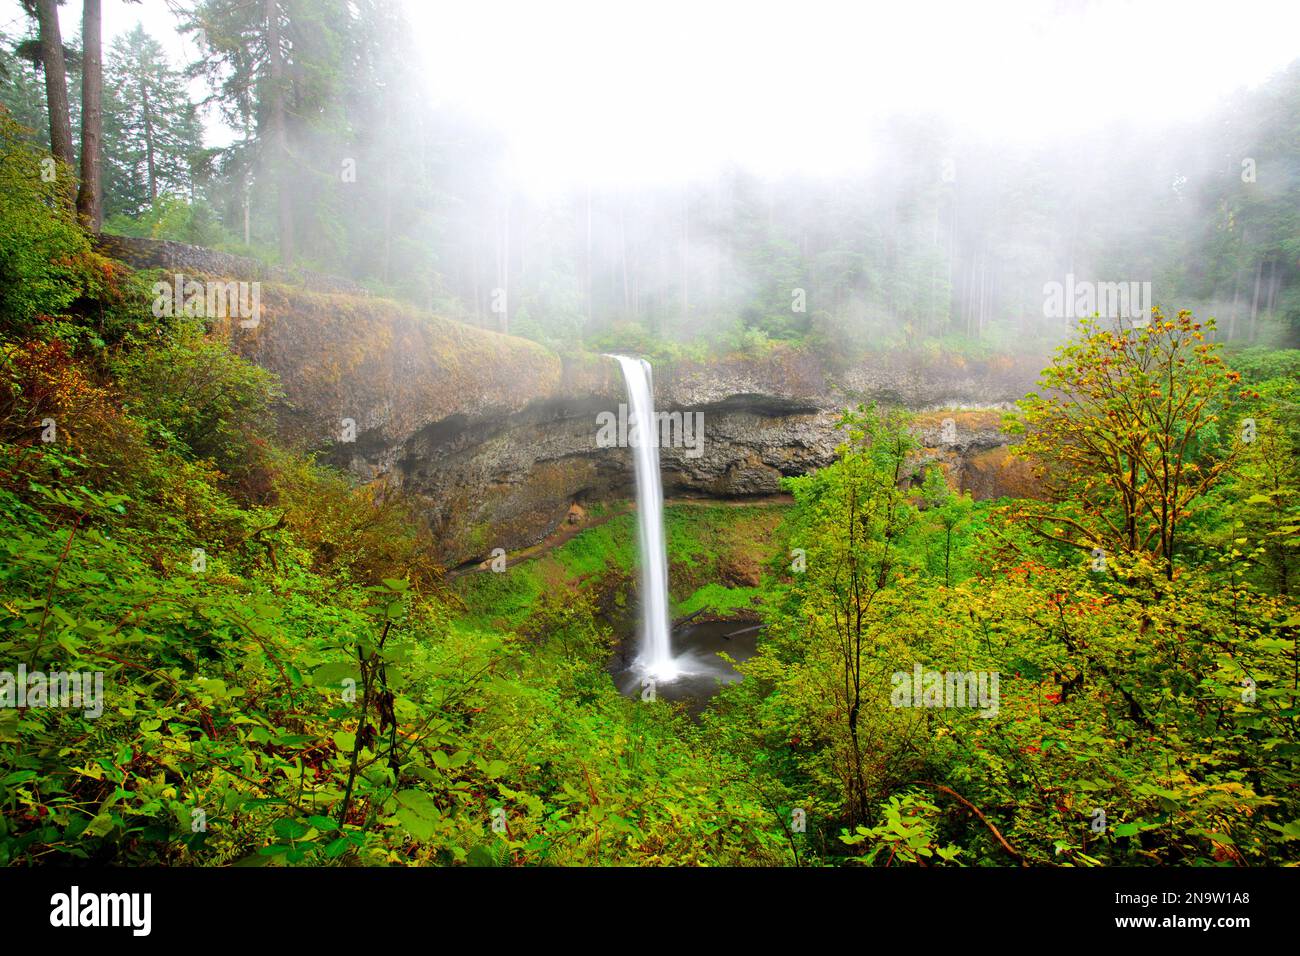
(656, 91)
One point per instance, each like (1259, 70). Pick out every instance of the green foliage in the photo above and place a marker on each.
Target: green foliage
(288, 679)
(196, 395)
(173, 218)
(22, 91)
(905, 834)
(1140, 717)
(42, 246)
(152, 141)
(1126, 436)
(723, 601)
(633, 339)
(948, 511)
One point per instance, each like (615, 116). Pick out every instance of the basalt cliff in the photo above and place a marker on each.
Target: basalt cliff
(497, 437)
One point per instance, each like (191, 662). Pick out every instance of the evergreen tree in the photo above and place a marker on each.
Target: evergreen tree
(274, 66)
(20, 89)
(151, 130)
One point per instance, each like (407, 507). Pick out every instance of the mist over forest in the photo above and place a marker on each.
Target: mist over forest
(941, 232)
(852, 436)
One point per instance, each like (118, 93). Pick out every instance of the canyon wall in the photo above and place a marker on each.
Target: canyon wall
(497, 437)
(506, 481)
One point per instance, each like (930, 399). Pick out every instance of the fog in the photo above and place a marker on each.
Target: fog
(855, 176)
(650, 94)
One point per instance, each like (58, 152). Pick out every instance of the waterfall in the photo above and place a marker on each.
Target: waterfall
(656, 657)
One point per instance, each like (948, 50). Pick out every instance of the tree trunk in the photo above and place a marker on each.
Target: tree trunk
(1272, 288)
(503, 270)
(56, 80)
(1236, 286)
(90, 195)
(622, 251)
(474, 276)
(1254, 299)
(278, 133)
(588, 290)
(386, 272)
(686, 261)
(150, 159)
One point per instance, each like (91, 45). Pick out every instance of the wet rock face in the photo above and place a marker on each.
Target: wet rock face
(509, 482)
(748, 450)
(498, 436)
(973, 451)
(506, 479)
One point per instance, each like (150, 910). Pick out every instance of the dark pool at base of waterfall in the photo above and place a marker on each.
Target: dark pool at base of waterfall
(695, 649)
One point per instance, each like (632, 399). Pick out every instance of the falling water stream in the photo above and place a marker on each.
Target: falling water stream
(656, 657)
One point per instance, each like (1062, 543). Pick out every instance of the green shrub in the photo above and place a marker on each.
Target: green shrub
(194, 391)
(40, 241)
